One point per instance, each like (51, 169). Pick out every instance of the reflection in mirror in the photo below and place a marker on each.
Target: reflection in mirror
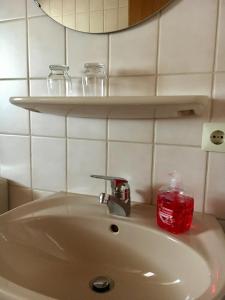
(99, 16)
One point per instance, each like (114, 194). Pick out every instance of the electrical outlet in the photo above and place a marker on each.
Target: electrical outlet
(213, 137)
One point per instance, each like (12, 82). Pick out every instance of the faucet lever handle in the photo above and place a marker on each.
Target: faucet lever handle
(116, 182)
(111, 178)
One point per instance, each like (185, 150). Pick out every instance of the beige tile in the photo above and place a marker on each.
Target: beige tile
(108, 4)
(82, 6)
(215, 194)
(96, 5)
(123, 17)
(132, 162)
(220, 55)
(219, 98)
(96, 21)
(69, 6)
(83, 22)
(13, 50)
(13, 119)
(189, 162)
(55, 7)
(187, 34)
(15, 159)
(111, 20)
(86, 158)
(123, 3)
(49, 163)
(46, 45)
(174, 131)
(69, 20)
(19, 196)
(134, 52)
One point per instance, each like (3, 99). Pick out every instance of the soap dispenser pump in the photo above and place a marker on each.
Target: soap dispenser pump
(174, 206)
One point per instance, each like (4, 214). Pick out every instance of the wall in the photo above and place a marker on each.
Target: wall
(181, 51)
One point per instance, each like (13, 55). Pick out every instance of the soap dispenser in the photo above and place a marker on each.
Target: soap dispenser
(174, 206)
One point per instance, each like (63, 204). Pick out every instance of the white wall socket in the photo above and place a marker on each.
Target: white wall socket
(213, 137)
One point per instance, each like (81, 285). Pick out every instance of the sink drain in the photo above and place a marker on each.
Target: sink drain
(101, 284)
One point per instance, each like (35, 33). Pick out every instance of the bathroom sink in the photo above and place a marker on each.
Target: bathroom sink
(67, 247)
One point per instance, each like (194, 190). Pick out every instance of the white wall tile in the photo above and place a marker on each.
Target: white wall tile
(45, 124)
(215, 194)
(189, 162)
(174, 131)
(15, 159)
(49, 163)
(90, 48)
(13, 119)
(132, 162)
(33, 10)
(220, 57)
(131, 130)
(184, 37)
(12, 9)
(219, 98)
(134, 53)
(86, 128)
(132, 86)
(19, 196)
(46, 45)
(86, 158)
(13, 50)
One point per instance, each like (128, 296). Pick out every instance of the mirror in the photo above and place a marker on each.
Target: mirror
(100, 16)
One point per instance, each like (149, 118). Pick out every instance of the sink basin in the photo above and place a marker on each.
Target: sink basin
(56, 247)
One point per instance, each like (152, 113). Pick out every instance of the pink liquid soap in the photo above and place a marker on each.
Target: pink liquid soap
(174, 211)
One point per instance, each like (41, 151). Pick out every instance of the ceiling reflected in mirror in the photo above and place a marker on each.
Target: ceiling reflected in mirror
(101, 16)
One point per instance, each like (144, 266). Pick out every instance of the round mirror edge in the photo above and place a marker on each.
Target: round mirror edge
(144, 20)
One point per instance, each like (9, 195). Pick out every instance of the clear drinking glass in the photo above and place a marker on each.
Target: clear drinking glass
(59, 82)
(94, 80)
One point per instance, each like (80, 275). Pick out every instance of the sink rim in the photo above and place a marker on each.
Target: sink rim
(205, 236)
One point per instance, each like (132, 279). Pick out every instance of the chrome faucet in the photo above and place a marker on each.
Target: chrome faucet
(119, 202)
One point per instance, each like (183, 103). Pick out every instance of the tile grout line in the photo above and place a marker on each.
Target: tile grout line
(107, 120)
(29, 93)
(211, 105)
(154, 121)
(66, 118)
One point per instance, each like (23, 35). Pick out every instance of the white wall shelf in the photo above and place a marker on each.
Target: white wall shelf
(122, 107)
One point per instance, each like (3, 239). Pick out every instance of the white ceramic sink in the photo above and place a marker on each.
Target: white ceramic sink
(53, 248)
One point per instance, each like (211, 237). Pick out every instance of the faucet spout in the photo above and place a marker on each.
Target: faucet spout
(119, 202)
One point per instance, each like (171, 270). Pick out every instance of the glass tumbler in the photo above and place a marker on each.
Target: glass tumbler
(59, 82)
(94, 80)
